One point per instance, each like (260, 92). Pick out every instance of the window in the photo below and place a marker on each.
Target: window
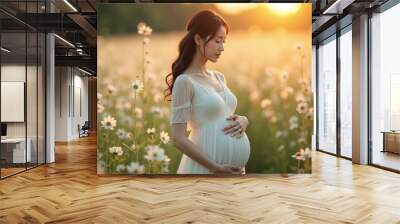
(385, 89)
(346, 75)
(327, 96)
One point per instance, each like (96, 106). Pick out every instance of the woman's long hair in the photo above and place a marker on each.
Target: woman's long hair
(206, 24)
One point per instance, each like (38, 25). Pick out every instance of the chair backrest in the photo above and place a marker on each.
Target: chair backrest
(86, 125)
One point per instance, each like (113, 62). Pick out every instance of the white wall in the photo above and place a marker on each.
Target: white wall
(70, 83)
(61, 103)
(33, 126)
(12, 73)
(79, 117)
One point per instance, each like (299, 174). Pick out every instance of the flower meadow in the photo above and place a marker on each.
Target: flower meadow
(269, 72)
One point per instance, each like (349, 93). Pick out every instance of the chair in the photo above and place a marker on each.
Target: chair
(84, 130)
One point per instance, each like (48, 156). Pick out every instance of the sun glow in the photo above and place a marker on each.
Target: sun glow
(283, 8)
(277, 8)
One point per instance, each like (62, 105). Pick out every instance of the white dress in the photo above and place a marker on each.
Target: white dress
(205, 111)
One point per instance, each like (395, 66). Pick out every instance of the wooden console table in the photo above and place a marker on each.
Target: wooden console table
(391, 141)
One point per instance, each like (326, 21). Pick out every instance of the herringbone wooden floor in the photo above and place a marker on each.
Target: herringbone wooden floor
(69, 191)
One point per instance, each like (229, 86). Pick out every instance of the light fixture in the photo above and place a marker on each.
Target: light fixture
(5, 50)
(79, 51)
(337, 7)
(70, 5)
(64, 40)
(84, 71)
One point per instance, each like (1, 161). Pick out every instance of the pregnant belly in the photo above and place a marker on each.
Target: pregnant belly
(222, 148)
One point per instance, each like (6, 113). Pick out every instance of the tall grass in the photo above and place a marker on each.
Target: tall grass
(268, 72)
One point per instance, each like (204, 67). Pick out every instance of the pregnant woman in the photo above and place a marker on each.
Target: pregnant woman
(202, 103)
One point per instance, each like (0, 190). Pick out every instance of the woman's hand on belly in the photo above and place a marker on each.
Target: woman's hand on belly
(237, 127)
(228, 169)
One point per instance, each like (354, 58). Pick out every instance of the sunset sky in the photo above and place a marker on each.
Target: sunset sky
(281, 9)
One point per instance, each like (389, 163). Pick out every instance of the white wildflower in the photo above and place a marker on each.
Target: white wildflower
(154, 153)
(151, 131)
(147, 31)
(137, 85)
(110, 88)
(156, 110)
(141, 27)
(300, 98)
(167, 160)
(127, 120)
(135, 168)
(310, 113)
(120, 168)
(164, 137)
(121, 134)
(100, 108)
(307, 153)
(116, 150)
(293, 122)
(108, 122)
(146, 40)
(128, 135)
(302, 107)
(299, 155)
(265, 103)
(269, 113)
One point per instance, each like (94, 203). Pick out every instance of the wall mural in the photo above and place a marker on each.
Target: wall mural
(204, 88)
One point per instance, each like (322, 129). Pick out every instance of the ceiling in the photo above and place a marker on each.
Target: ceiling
(76, 22)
